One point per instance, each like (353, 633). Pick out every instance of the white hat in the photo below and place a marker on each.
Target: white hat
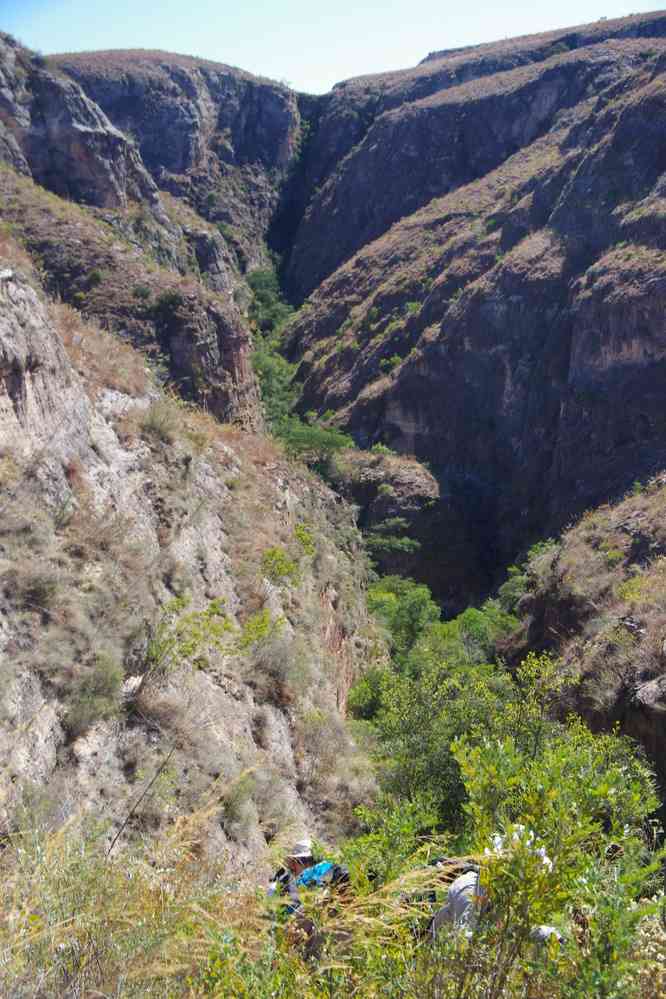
(301, 850)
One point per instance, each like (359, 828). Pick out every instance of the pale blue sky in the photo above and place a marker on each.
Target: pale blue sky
(310, 46)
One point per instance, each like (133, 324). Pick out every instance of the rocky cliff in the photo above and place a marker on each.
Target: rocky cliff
(486, 329)
(175, 600)
(477, 245)
(215, 135)
(595, 597)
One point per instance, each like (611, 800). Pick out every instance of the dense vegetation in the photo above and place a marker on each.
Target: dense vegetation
(473, 762)
(557, 817)
(311, 440)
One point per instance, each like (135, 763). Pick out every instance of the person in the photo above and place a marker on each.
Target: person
(301, 871)
(466, 900)
(284, 880)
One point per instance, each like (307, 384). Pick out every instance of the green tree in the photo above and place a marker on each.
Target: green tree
(313, 443)
(405, 608)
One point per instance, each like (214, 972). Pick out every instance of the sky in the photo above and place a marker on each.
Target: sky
(307, 45)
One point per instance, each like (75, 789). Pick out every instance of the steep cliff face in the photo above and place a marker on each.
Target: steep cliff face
(383, 145)
(196, 337)
(54, 132)
(485, 330)
(218, 136)
(413, 528)
(146, 613)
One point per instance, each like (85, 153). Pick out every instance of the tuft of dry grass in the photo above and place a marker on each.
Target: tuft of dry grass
(102, 360)
(13, 254)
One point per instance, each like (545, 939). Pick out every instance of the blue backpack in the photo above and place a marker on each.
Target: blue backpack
(316, 876)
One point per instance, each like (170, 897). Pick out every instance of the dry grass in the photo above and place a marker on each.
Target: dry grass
(94, 269)
(102, 360)
(160, 920)
(14, 255)
(145, 63)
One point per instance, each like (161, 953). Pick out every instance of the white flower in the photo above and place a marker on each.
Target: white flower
(545, 859)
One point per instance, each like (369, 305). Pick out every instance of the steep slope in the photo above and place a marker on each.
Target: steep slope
(596, 596)
(50, 130)
(215, 135)
(173, 595)
(196, 337)
(486, 330)
(385, 144)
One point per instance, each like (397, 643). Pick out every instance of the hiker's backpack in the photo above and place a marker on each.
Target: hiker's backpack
(322, 874)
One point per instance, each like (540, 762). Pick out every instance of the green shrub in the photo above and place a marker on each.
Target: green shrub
(168, 302)
(276, 381)
(547, 547)
(513, 589)
(314, 444)
(385, 543)
(405, 609)
(468, 639)
(186, 637)
(95, 278)
(304, 536)
(614, 556)
(142, 292)
(394, 326)
(390, 363)
(278, 567)
(392, 831)
(412, 308)
(258, 627)
(365, 697)
(268, 310)
(383, 539)
(422, 711)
